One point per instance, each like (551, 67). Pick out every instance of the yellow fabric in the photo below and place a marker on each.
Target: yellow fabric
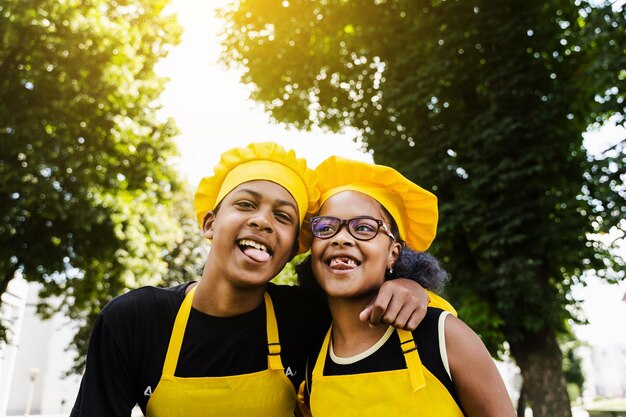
(260, 161)
(270, 171)
(437, 301)
(413, 361)
(414, 391)
(259, 394)
(413, 208)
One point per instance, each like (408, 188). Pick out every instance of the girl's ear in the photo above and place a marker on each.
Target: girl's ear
(207, 224)
(394, 253)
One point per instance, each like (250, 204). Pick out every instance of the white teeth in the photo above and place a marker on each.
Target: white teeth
(252, 243)
(343, 259)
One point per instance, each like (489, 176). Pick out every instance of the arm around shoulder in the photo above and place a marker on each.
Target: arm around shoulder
(475, 376)
(400, 302)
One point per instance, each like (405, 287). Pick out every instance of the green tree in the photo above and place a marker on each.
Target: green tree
(484, 103)
(183, 258)
(86, 191)
(573, 370)
(288, 275)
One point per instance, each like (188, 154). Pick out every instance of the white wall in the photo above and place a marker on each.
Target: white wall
(12, 314)
(609, 375)
(42, 347)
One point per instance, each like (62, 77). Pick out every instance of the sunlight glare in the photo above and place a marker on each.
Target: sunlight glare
(212, 108)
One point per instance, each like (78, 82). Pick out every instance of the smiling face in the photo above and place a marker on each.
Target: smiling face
(252, 235)
(346, 267)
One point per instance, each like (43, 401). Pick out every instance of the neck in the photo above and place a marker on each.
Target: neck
(219, 298)
(350, 335)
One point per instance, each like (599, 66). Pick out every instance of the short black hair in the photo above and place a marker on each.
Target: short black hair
(421, 267)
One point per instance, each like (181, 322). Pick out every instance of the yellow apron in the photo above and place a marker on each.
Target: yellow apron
(413, 391)
(267, 393)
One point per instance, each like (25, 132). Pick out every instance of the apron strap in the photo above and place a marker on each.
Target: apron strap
(413, 361)
(439, 302)
(178, 332)
(318, 369)
(273, 343)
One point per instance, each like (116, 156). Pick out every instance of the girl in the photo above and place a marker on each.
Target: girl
(370, 216)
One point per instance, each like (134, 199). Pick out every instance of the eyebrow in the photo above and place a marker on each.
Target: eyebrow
(259, 195)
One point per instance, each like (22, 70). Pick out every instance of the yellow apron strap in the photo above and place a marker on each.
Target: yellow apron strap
(413, 361)
(176, 339)
(273, 343)
(437, 301)
(318, 369)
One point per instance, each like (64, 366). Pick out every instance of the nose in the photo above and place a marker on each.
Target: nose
(343, 237)
(260, 221)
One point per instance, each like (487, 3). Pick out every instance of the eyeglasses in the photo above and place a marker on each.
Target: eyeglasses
(361, 228)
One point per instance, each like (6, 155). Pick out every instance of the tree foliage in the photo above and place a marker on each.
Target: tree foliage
(184, 259)
(87, 195)
(484, 103)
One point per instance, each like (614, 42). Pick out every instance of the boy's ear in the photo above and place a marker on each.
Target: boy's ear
(207, 224)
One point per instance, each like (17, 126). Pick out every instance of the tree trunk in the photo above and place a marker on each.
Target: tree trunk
(541, 364)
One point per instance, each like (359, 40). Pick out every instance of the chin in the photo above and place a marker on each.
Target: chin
(252, 280)
(343, 292)
(350, 292)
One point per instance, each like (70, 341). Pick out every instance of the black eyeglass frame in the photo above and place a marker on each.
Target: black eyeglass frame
(346, 222)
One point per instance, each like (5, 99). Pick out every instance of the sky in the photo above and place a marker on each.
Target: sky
(212, 108)
(214, 113)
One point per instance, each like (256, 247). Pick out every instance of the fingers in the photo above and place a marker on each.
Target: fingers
(416, 318)
(402, 319)
(387, 307)
(401, 303)
(365, 314)
(379, 306)
(405, 315)
(400, 316)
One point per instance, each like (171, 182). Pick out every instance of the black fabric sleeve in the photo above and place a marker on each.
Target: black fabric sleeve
(106, 388)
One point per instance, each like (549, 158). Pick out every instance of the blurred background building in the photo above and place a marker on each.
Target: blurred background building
(605, 371)
(33, 364)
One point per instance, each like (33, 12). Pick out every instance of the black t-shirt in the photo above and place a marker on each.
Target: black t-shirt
(130, 337)
(390, 357)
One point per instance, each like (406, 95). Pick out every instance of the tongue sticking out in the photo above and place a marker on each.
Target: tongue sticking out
(342, 263)
(256, 254)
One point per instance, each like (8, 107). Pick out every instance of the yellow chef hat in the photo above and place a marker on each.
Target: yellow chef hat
(413, 208)
(259, 161)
